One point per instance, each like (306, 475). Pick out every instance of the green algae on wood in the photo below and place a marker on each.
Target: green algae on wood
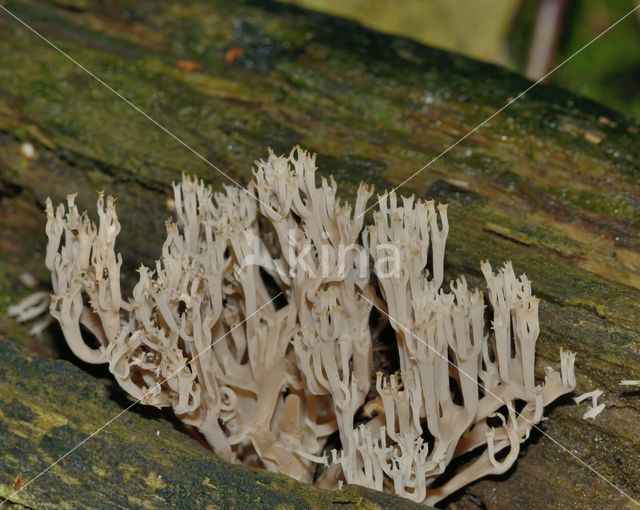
(139, 461)
(529, 186)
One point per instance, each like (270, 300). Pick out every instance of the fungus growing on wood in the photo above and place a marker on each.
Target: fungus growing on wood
(255, 326)
(594, 410)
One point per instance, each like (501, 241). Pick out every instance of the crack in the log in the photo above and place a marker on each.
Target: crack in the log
(624, 406)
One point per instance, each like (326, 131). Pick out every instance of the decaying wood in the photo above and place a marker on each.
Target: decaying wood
(552, 183)
(138, 461)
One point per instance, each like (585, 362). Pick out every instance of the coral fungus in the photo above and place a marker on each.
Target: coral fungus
(256, 327)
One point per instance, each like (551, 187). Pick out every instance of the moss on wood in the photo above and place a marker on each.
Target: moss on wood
(139, 461)
(534, 185)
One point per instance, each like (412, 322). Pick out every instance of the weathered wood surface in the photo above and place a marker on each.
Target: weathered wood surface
(552, 184)
(139, 461)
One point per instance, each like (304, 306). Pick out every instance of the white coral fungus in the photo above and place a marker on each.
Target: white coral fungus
(594, 409)
(268, 382)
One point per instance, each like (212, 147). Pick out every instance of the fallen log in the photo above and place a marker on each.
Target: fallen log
(552, 183)
(138, 461)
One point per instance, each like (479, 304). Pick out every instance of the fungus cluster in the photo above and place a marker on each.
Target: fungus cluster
(257, 327)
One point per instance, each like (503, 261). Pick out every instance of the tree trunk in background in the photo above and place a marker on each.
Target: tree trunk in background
(552, 184)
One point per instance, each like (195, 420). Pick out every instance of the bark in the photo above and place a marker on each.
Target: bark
(138, 461)
(551, 183)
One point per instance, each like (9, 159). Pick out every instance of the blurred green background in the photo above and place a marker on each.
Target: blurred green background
(527, 36)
